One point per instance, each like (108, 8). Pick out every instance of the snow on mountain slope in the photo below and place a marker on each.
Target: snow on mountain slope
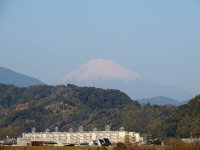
(103, 73)
(100, 69)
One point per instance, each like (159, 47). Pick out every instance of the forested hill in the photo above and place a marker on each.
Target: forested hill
(48, 106)
(95, 98)
(185, 122)
(69, 106)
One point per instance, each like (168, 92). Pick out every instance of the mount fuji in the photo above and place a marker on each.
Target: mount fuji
(108, 74)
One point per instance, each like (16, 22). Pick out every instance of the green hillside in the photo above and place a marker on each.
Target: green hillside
(63, 106)
(185, 122)
(69, 106)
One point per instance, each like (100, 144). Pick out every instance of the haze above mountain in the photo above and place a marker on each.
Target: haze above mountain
(161, 100)
(8, 76)
(108, 74)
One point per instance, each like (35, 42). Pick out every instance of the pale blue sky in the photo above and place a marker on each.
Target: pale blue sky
(159, 39)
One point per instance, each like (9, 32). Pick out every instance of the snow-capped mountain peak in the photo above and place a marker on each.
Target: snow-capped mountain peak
(100, 69)
(108, 74)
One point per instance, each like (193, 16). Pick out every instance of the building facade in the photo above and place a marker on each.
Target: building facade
(64, 138)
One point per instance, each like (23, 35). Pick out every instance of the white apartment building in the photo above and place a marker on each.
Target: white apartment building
(64, 138)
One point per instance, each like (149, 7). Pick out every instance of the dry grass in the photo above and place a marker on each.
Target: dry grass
(170, 144)
(52, 148)
(45, 148)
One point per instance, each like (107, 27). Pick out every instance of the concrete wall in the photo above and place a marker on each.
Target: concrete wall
(23, 141)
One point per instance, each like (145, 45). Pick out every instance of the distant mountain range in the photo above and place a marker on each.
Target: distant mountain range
(8, 76)
(108, 74)
(161, 100)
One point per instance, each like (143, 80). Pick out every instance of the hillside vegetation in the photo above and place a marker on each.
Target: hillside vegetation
(71, 106)
(185, 122)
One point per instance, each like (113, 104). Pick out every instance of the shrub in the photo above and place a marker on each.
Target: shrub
(120, 146)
